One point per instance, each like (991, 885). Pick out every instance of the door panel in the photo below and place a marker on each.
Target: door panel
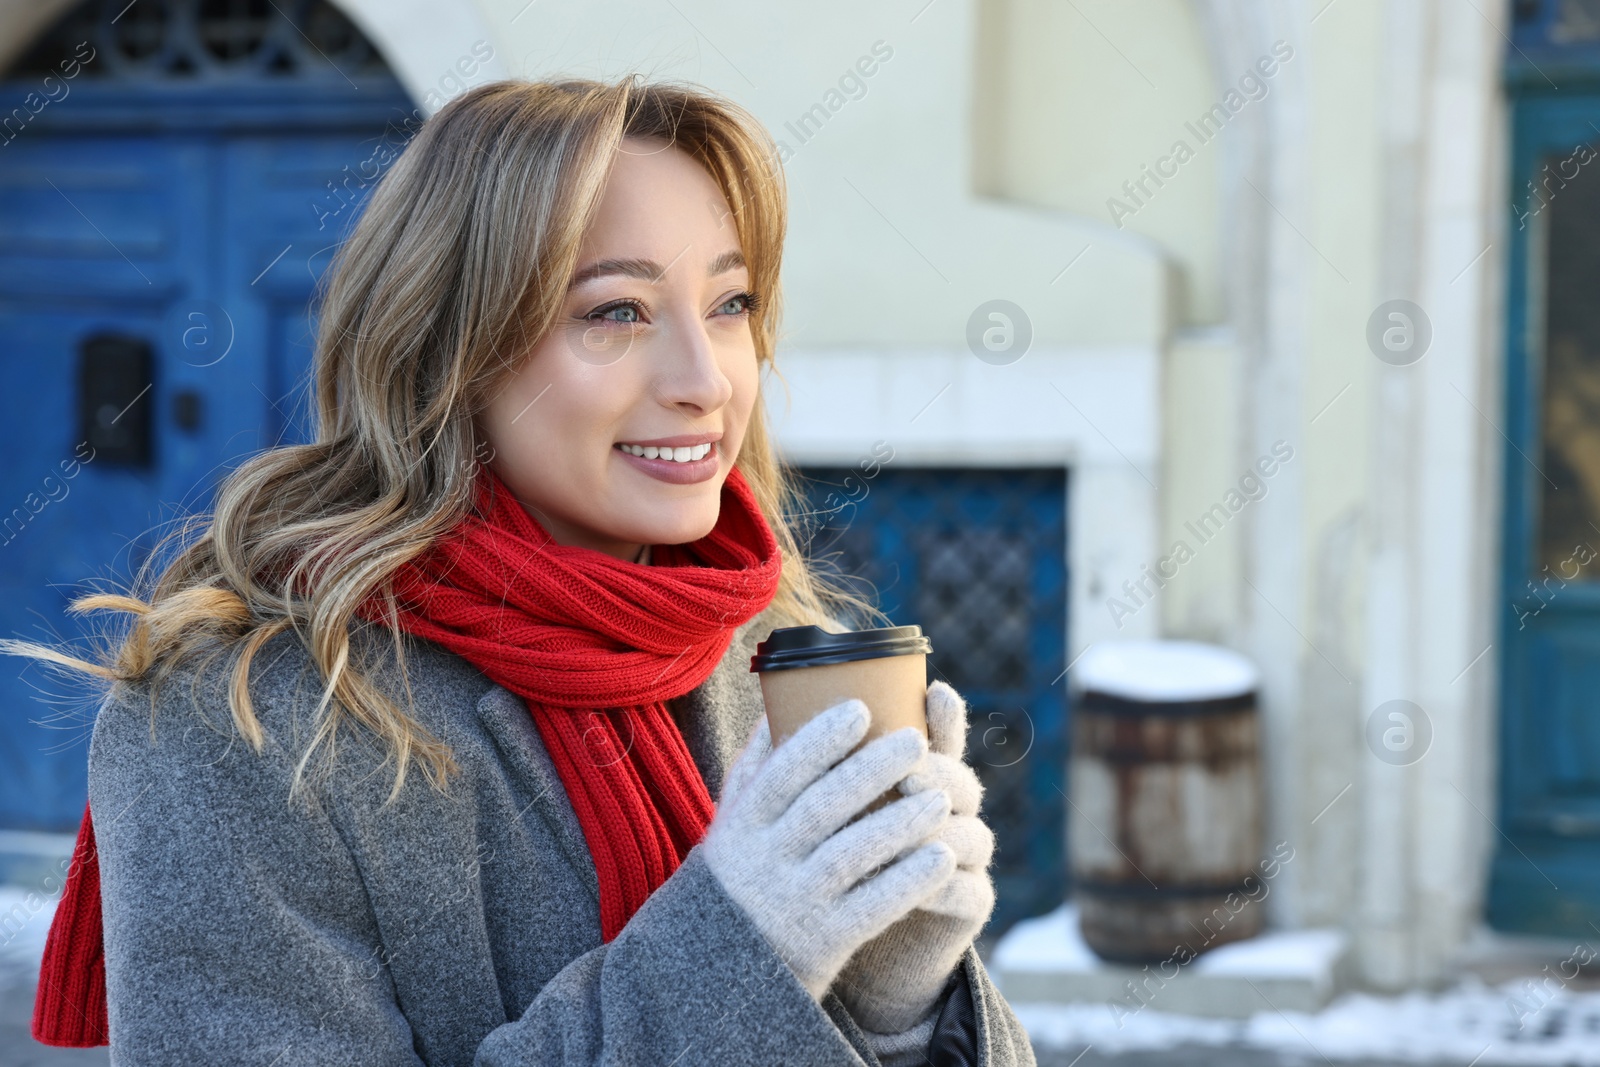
(292, 198)
(114, 214)
(1559, 791)
(174, 239)
(1545, 876)
(97, 235)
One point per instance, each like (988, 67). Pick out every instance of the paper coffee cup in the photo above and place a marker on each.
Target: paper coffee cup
(806, 670)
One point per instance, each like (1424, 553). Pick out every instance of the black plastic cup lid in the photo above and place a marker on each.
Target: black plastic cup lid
(812, 646)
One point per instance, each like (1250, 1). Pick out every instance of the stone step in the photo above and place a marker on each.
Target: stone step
(1045, 960)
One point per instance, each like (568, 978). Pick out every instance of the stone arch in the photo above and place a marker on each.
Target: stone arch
(423, 44)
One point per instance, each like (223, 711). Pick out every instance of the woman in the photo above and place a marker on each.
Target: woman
(540, 530)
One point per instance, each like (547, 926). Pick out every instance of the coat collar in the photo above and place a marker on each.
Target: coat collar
(716, 718)
(505, 715)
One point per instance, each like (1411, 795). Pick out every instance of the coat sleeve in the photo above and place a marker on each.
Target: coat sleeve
(971, 1024)
(236, 930)
(1002, 1042)
(689, 980)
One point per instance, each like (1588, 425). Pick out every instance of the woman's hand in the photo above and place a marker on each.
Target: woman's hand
(784, 848)
(894, 981)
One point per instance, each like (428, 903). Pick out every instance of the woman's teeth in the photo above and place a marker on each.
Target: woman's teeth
(683, 454)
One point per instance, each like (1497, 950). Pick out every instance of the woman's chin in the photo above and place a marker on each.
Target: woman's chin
(679, 523)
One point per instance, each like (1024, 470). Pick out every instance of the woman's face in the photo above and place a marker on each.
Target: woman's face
(652, 351)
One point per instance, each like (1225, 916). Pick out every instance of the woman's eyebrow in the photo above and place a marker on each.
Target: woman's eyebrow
(649, 270)
(732, 259)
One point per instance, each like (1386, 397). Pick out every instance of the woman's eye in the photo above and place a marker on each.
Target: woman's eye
(627, 313)
(739, 304)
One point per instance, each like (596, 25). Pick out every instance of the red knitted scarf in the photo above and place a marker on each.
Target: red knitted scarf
(594, 644)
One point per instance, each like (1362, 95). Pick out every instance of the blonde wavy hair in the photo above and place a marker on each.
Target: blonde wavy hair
(458, 265)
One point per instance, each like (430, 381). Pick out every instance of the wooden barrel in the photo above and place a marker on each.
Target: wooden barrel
(1164, 830)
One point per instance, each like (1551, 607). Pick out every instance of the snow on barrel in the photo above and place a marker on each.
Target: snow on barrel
(1165, 821)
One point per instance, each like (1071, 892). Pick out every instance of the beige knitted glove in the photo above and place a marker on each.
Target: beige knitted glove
(893, 982)
(782, 843)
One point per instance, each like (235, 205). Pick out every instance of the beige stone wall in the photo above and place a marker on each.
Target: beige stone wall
(1226, 313)
(1087, 102)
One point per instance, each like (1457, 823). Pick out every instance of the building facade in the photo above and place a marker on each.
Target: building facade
(1270, 290)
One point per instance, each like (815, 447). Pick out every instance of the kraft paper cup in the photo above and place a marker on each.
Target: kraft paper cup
(806, 670)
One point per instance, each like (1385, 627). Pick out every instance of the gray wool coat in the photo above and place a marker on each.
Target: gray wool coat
(444, 930)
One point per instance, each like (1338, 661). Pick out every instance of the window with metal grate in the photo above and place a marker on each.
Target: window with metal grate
(978, 558)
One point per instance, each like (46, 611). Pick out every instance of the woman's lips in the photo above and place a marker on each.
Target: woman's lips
(670, 470)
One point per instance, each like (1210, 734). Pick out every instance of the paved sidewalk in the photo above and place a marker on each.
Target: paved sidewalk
(1198, 1056)
(17, 1046)
(1473, 1022)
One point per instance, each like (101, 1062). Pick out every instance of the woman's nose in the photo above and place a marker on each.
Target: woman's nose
(694, 377)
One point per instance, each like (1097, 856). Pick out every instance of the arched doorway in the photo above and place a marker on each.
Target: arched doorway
(174, 176)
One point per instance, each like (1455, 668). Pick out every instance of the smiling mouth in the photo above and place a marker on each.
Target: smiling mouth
(681, 454)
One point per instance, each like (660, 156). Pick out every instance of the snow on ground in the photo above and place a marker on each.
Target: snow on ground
(1517, 1023)
(1054, 942)
(1520, 1022)
(24, 923)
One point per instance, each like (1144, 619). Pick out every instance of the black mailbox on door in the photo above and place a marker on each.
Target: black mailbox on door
(115, 378)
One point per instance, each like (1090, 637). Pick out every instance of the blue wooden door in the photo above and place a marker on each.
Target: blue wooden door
(86, 248)
(160, 240)
(977, 558)
(1546, 871)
